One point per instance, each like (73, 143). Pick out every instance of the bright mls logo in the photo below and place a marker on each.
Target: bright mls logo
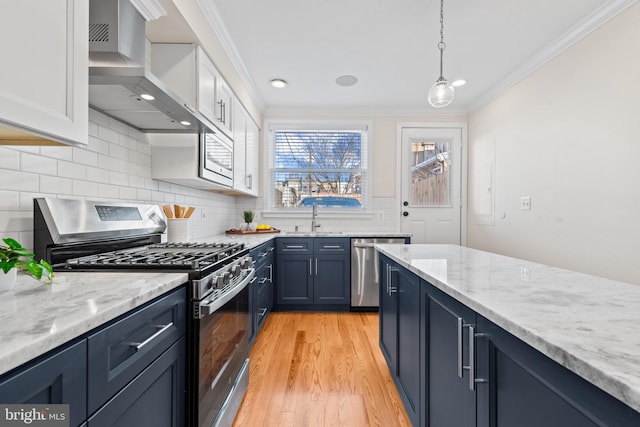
(34, 415)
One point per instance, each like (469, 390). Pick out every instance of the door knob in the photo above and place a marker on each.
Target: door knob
(405, 203)
(405, 213)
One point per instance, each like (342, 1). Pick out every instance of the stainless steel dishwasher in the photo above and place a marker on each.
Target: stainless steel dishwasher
(365, 277)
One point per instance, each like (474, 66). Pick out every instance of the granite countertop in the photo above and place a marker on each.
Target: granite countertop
(36, 317)
(585, 323)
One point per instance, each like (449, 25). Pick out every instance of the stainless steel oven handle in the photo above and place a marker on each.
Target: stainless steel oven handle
(210, 307)
(163, 328)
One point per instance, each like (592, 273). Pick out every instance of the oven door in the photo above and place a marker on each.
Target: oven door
(216, 158)
(223, 350)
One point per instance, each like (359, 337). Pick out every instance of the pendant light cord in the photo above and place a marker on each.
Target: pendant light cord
(441, 45)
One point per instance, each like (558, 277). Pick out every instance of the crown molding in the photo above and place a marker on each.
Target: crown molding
(566, 40)
(364, 111)
(149, 9)
(212, 15)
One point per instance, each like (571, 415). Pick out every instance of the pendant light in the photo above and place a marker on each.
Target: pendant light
(441, 93)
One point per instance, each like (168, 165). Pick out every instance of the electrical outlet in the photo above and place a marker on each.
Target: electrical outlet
(525, 274)
(525, 203)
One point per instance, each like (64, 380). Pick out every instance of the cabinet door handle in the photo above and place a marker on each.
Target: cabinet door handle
(472, 358)
(270, 267)
(163, 328)
(388, 278)
(460, 324)
(310, 272)
(316, 266)
(392, 289)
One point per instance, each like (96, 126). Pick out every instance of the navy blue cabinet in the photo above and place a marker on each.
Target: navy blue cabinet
(60, 378)
(313, 274)
(261, 289)
(156, 397)
(130, 372)
(388, 316)
(449, 396)
(400, 331)
(453, 367)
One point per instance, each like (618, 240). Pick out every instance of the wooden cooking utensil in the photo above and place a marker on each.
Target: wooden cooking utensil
(189, 212)
(176, 210)
(167, 211)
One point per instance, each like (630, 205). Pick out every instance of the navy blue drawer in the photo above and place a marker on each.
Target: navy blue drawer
(118, 353)
(289, 245)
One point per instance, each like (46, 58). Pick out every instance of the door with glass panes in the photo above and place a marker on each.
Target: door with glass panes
(431, 165)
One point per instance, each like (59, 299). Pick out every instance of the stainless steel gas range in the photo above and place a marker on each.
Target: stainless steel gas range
(77, 235)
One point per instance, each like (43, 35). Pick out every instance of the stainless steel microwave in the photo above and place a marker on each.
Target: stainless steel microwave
(216, 158)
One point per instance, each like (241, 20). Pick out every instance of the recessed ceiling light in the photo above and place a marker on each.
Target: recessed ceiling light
(147, 97)
(346, 80)
(279, 83)
(458, 83)
(185, 123)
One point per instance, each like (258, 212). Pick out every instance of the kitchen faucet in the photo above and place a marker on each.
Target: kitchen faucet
(314, 214)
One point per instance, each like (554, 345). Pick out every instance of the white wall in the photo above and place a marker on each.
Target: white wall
(116, 165)
(568, 137)
(385, 204)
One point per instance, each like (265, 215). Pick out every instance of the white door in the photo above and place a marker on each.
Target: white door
(431, 188)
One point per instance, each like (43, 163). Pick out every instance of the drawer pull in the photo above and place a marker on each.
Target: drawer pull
(163, 328)
(264, 254)
(331, 247)
(262, 312)
(272, 248)
(263, 280)
(295, 246)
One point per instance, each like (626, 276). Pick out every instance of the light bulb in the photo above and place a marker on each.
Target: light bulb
(441, 94)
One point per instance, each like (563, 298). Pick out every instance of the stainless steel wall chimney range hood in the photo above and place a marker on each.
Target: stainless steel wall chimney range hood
(120, 86)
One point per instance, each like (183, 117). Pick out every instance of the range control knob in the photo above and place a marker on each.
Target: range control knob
(236, 270)
(226, 277)
(218, 282)
(246, 262)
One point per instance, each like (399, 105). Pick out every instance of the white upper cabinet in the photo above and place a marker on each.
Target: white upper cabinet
(188, 71)
(245, 152)
(44, 72)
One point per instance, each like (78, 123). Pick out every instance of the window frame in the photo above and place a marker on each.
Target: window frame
(271, 126)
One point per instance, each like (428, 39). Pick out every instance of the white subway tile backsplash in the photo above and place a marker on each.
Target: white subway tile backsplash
(61, 153)
(38, 164)
(151, 184)
(85, 157)
(107, 134)
(118, 126)
(143, 147)
(143, 194)
(85, 188)
(98, 146)
(9, 200)
(19, 181)
(97, 175)
(128, 193)
(56, 185)
(108, 191)
(98, 118)
(108, 163)
(136, 181)
(71, 170)
(26, 200)
(93, 129)
(16, 221)
(118, 152)
(9, 159)
(117, 178)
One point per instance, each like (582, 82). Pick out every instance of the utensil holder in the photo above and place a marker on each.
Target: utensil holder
(178, 230)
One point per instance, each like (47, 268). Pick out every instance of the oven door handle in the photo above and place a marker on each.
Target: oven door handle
(209, 307)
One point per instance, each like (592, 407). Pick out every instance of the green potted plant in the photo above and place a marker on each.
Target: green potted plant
(14, 257)
(248, 221)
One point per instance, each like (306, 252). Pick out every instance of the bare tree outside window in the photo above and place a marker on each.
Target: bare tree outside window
(322, 167)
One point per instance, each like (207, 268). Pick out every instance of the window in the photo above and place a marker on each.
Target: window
(325, 166)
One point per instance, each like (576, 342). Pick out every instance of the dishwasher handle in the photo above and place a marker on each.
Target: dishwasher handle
(363, 245)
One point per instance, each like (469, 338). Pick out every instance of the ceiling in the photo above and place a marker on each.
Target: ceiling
(391, 47)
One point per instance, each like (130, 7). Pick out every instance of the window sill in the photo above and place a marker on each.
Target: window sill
(322, 213)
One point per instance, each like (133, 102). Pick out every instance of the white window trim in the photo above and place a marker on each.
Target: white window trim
(274, 124)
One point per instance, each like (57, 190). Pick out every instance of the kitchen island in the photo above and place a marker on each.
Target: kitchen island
(583, 323)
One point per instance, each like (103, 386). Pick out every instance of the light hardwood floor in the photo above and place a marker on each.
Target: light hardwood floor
(320, 369)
